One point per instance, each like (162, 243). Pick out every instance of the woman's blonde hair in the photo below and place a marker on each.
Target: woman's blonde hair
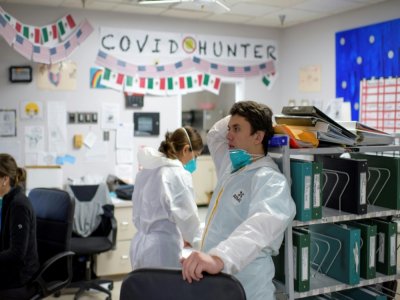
(175, 141)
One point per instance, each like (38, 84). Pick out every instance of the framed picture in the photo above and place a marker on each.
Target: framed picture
(8, 122)
(146, 124)
(20, 73)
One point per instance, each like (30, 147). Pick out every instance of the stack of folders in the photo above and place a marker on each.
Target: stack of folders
(335, 251)
(367, 135)
(383, 187)
(301, 261)
(311, 120)
(362, 293)
(344, 184)
(306, 188)
(386, 247)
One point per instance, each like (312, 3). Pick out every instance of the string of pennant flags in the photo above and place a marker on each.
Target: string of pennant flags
(172, 85)
(186, 65)
(174, 78)
(48, 44)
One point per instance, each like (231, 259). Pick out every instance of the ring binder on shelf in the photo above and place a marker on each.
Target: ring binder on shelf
(386, 248)
(360, 293)
(345, 265)
(316, 190)
(344, 184)
(324, 251)
(301, 261)
(301, 172)
(384, 175)
(368, 249)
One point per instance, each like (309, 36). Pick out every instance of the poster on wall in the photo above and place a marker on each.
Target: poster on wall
(60, 76)
(31, 110)
(34, 138)
(366, 53)
(95, 78)
(310, 79)
(110, 115)
(57, 126)
(379, 104)
(8, 125)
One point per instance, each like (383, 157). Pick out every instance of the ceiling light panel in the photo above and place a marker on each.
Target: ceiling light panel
(252, 9)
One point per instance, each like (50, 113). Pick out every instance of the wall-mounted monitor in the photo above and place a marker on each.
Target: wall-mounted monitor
(146, 124)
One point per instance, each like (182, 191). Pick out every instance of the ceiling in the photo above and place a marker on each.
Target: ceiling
(267, 13)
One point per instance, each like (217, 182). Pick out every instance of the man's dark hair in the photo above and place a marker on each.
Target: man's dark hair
(258, 115)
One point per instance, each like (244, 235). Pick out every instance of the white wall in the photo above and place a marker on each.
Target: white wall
(314, 44)
(304, 45)
(86, 99)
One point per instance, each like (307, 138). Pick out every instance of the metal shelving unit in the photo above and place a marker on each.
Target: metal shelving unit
(321, 283)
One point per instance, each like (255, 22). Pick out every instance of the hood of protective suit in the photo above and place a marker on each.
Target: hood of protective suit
(150, 158)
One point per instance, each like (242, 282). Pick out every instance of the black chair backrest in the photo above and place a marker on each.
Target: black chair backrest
(54, 216)
(84, 192)
(167, 284)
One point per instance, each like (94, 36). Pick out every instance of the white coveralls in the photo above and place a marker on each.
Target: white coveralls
(164, 211)
(248, 214)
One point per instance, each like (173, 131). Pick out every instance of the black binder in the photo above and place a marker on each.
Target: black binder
(344, 184)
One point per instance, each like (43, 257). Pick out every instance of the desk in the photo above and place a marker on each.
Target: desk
(117, 261)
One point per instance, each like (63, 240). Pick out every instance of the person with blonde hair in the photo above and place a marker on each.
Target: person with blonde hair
(19, 259)
(164, 209)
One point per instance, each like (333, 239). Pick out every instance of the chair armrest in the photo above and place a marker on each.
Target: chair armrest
(47, 288)
(113, 232)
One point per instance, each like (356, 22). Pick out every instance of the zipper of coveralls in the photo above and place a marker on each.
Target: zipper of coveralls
(215, 207)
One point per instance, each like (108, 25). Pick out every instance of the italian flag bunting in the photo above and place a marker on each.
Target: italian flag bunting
(128, 87)
(211, 83)
(49, 34)
(268, 80)
(32, 34)
(112, 80)
(65, 26)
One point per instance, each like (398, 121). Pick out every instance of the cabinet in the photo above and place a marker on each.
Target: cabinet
(204, 179)
(117, 261)
(320, 283)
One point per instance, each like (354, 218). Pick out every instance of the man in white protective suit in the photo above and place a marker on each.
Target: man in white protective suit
(251, 205)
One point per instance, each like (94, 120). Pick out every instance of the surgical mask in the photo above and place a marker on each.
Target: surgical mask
(241, 158)
(191, 165)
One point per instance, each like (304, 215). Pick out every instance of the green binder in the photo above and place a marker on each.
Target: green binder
(359, 293)
(368, 249)
(316, 190)
(383, 187)
(301, 174)
(301, 260)
(386, 258)
(335, 250)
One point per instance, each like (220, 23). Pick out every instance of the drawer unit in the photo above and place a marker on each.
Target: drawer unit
(116, 262)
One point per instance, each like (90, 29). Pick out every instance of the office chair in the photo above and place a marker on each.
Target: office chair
(167, 284)
(102, 239)
(54, 216)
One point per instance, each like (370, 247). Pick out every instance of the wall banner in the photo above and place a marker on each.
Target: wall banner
(134, 44)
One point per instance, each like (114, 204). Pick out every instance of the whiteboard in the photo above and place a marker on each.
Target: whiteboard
(44, 176)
